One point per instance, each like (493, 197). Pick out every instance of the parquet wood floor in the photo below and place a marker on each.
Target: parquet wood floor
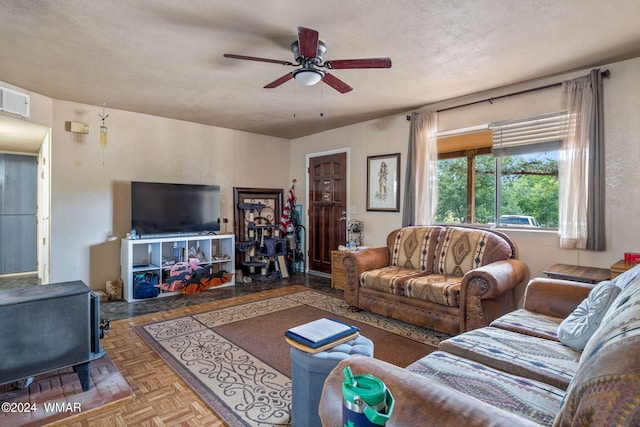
(161, 398)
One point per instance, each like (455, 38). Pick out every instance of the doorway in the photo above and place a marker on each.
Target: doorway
(327, 208)
(18, 224)
(24, 139)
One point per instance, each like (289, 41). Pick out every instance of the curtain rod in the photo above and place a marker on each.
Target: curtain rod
(605, 74)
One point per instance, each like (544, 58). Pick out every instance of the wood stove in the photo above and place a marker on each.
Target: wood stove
(48, 327)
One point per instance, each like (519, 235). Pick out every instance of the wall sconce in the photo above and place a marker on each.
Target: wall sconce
(78, 129)
(103, 127)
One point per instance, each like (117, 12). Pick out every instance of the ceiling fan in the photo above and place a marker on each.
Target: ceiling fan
(308, 52)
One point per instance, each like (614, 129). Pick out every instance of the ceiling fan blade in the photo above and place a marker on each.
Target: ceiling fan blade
(253, 58)
(279, 81)
(336, 83)
(308, 42)
(340, 64)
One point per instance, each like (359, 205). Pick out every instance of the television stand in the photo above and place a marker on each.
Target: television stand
(156, 256)
(174, 235)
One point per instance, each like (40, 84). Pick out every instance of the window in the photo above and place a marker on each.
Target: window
(456, 175)
(508, 176)
(529, 189)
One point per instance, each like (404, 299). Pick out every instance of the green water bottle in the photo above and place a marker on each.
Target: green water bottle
(366, 401)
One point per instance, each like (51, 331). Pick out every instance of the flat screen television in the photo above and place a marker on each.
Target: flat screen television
(162, 208)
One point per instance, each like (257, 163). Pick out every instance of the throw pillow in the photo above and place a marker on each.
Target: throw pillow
(580, 325)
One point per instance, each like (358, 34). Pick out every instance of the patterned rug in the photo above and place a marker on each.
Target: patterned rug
(236, 358)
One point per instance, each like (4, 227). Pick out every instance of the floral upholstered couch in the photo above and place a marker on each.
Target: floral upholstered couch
(450, 279)
(569, 357)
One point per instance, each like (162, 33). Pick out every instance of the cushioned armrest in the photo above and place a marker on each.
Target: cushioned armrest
(554, 297)
(487, 292)
(357, 262)
(418, 400)
(500, 277)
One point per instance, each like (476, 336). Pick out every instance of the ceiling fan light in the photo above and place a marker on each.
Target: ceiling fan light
(308, 76)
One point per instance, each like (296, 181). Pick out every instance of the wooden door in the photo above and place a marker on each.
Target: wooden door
(327, 208)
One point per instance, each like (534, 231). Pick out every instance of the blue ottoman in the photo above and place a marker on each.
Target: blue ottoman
(308, 372)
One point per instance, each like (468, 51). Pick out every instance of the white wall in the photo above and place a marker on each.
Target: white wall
(538, 249)
(370, 138)
(90, 201)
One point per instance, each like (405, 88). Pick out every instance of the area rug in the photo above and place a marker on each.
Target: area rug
(236, 358)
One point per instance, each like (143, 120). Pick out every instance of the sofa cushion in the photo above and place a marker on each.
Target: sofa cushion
(414, 248)
(417, 284)
(390, 279)
(529, 323)
(580, 325)
(461, 249)
(531, 399)
(540, 359)
(606, 387)
(443, 290)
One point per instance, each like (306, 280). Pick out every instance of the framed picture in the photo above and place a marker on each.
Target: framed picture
(383, 183)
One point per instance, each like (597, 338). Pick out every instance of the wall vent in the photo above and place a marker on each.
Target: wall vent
(14, 102)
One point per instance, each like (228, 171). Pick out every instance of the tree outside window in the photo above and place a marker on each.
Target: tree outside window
(515, 185)
(530, 187)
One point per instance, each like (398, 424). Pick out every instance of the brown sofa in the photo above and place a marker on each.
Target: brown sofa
(450, 279)
(516, 372)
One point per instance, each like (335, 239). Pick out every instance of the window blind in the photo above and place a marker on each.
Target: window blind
(529, 135)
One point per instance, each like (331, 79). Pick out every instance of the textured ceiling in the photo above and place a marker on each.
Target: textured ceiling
(165, 57)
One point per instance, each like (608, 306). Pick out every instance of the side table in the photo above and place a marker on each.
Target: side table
(620, 267)
(338, 273)
(577, 273)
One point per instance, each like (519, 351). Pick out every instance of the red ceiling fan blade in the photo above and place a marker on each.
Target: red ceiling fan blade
(253, 58)
(336, 83)
(308, 42)
(279, 81)
(340, 64)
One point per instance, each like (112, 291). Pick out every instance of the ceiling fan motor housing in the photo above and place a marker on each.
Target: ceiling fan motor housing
(322, 49)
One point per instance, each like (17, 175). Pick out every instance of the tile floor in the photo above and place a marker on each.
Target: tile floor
(115, 310)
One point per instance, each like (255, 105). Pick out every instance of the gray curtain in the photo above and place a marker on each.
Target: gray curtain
(408, 202)
(581, 165)
(596, 200)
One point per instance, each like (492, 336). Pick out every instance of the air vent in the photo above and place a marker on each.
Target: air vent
(14, 102)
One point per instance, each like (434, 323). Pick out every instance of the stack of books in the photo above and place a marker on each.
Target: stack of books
(320, 335)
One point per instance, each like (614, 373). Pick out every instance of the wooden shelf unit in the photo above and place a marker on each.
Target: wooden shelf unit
(155, 255)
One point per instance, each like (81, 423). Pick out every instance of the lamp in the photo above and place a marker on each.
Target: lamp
(308, 76)
(103, 128)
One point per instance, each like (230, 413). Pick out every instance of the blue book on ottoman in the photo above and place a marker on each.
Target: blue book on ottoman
(321, 332)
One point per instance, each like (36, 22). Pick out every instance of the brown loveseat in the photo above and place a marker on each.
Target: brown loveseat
(450, 279)
(517, 372)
